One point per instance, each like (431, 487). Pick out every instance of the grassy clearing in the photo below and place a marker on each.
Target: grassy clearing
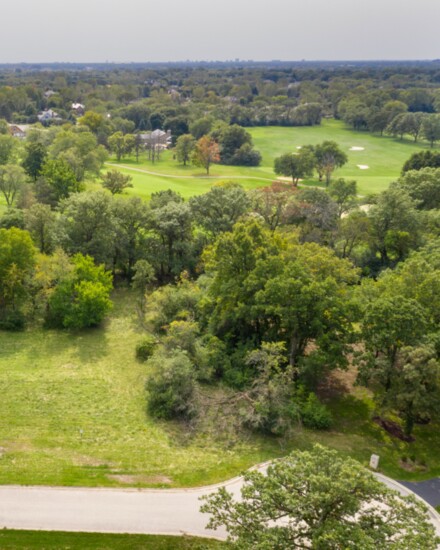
(73, 413)
(384, 156)
(44, 540)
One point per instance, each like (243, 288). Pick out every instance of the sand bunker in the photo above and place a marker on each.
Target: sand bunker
(362, 166)
(299, 147)
(354, 148)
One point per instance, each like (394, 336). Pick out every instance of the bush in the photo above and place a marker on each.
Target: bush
(145, 349)
(12, 320)
(171, 386)
(315, 415)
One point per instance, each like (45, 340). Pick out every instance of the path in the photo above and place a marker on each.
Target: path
(224, 176)
(149, 511)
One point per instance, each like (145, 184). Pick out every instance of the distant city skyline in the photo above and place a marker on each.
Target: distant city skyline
(176, 30)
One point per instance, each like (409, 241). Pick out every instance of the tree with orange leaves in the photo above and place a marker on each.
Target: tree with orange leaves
(206, 152)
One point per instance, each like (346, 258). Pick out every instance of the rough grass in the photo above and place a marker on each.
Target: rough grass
(73, 412)
(384, 155)
(59, 540)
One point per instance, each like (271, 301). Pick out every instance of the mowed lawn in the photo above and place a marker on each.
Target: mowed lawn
(44, 540)
(383, 155)
(73, 412)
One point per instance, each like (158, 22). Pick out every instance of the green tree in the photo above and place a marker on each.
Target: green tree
(121, 144)
(344, 194)
(116, 181)
(395, 225)
(56, 182)
(40, 222)
(87, 225)
(12, 181)
(417, 385)
(8, 145)
(295, 165)
(17, 262)
(35, 158)
(316, 499)
(171, 385)
(389, 323)
(220, 208)
(423, 186)
(82, 298)
(431, 128)
(143, 277)
(184, 148)
(328, 157)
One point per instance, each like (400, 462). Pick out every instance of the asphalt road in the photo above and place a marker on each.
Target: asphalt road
(428, 490)
(149, 511)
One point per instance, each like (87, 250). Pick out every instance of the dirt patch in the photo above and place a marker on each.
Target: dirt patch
(393, 429)
(2, 451)
(84, 460)
(412, 465)
(135, 479)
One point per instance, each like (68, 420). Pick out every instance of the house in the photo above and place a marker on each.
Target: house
(18, 131)
(49, 93)
(78, 109)
(157, 138)
(47, 115)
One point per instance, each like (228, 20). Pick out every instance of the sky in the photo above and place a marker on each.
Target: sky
(178, 30)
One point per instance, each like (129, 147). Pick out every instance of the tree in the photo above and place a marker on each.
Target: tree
(205, 153)
(295, 165)
(82, 298)
(275, 203)
(12, 180)
(143, 276)
(8, 146)
(417, 385)
(87, 225)
(56, 182)
(35, 157)
(431, 128)
(389, 323)
(422, 159)
(406, 123)
(184, 148)
(40, 221)
(344, 194)
(116, 181)
(221, 207)
(121, 144)
(328, 157)
(423, 186)
(17, 262)
(171, 385)
(395, 225)
(317, 499)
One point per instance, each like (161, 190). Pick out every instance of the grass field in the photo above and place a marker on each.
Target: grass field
(384, 156)
(73, 412)
(51, 540)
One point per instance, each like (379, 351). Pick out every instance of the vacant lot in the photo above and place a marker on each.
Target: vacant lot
(73, 412)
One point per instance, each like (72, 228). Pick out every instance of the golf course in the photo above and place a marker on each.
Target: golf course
(373, 161)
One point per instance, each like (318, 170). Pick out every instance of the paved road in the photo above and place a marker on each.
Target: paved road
(429, 490)
(151, 511)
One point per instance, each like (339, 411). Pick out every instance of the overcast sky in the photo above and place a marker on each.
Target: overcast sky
(174, 30)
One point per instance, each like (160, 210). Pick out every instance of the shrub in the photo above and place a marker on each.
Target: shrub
(145, 349)
(314, 414)
(12, 320)
(171, 385)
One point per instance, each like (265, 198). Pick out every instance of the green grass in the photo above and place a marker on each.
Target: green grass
(73, 412)
(59, 540)
(385, 157)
